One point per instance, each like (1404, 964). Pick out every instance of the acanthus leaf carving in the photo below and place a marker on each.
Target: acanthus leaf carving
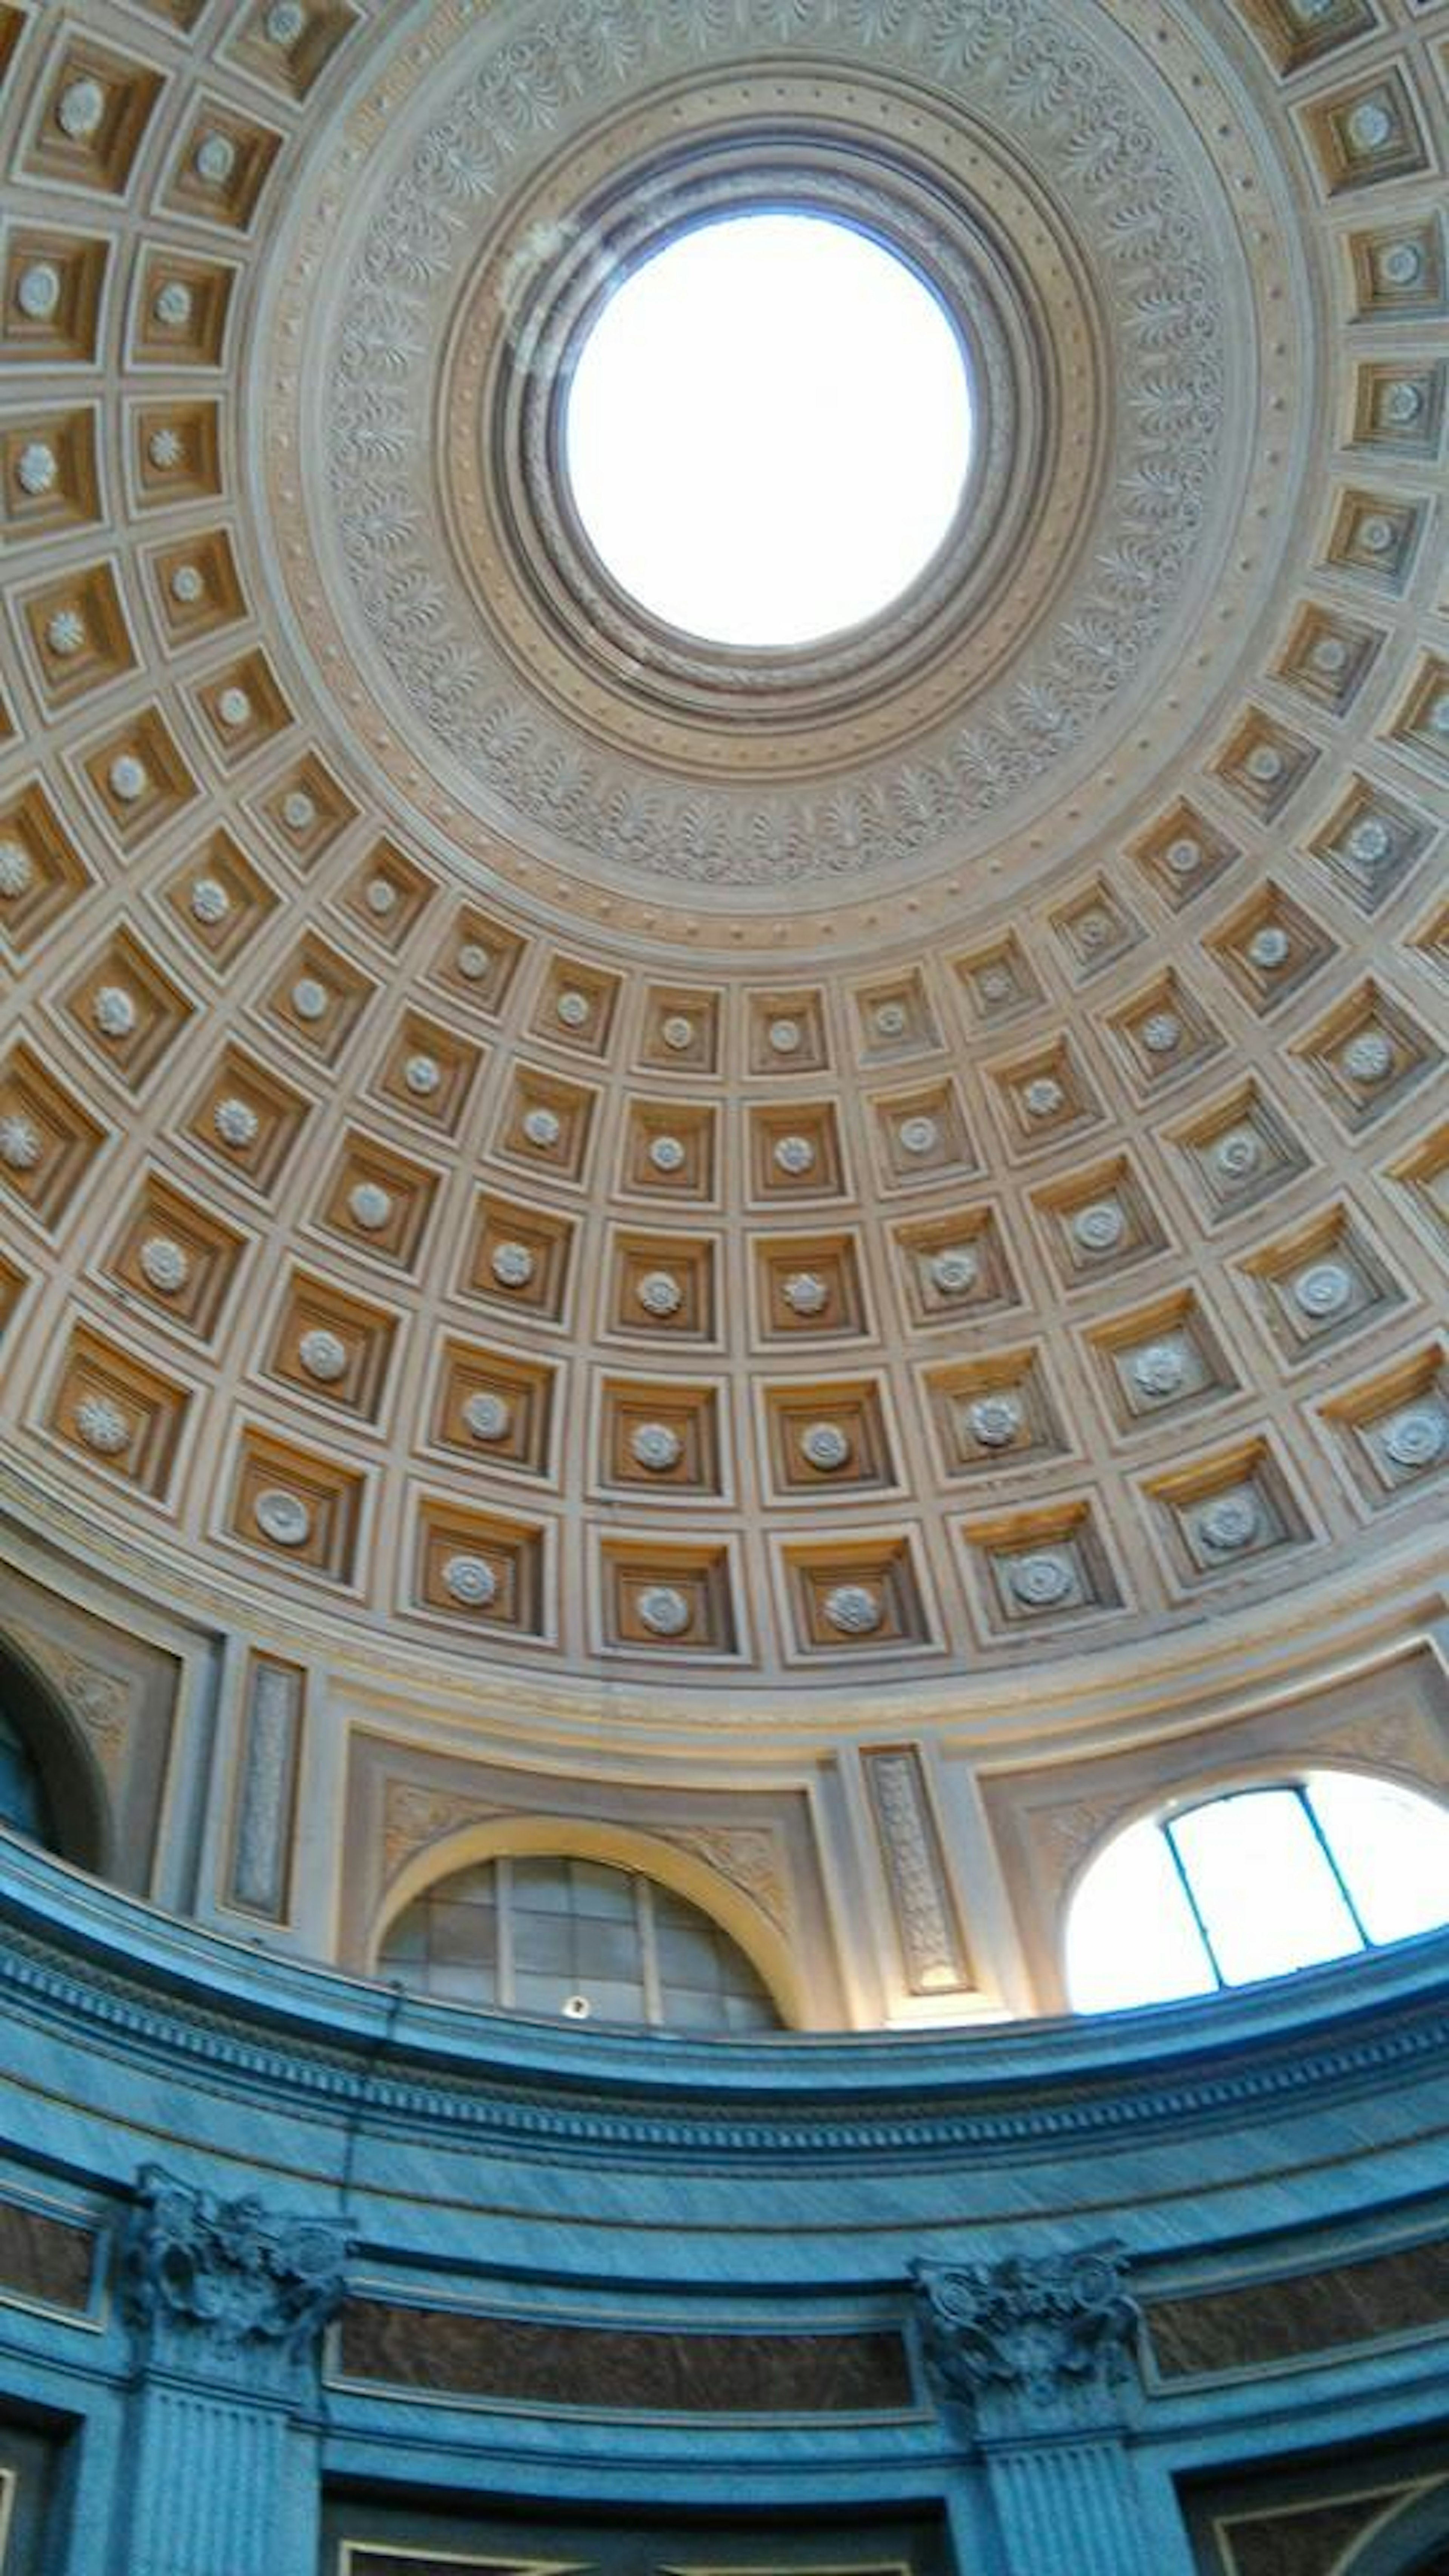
(1032, 2340)
(228, 2284)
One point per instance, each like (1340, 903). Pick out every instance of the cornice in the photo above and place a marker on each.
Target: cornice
(111, 1973)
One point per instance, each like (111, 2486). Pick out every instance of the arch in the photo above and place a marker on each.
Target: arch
(1245, 1781)
(70, 1776)
(1262, 1771)
(624, 1847)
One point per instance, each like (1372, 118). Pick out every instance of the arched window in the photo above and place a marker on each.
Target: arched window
(544, 1934)
(24, 1806)
(1254, 1883)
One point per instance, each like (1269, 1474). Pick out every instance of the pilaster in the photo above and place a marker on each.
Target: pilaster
(1039, 2356)
(226, 2301)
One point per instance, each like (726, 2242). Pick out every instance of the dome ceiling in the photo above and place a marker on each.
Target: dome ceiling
(585, 1150)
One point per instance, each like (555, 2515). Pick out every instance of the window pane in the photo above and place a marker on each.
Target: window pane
(597, 1889)
(541, 1886)
(1267, 1894)
(605, 1950)
(1132, 1938)
(543, 1941)
(1393, 1850)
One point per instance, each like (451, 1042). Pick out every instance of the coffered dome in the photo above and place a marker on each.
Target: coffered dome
(908, 1164)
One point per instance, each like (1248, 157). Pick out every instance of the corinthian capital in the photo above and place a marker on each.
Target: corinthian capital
(227, 2281)
(1031, 2337)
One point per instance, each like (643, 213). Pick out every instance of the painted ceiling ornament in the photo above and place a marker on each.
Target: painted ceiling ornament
(668, 1153)
(423, 1075)
(102, 1425)
(1369, 1057)
(80, 110)
(114, 1011)
(1238, 1154)
(955, 1269)
(65, 633)
(228, 2287)
(166, 448)
(1160, 1369)
(677, 1033)
(572, 1009)
(283, 1517)
(890, 1020)
(234, 708)
(1231, 1523)
(17, 871)
(129, 778)
(854, 1609)
(660, 1293)
(37, 469)
(1418, 1437)
(919, 1135)
(655, 1446)
(1047, 2337)
(236, 1122)
(806, 1293)
(425, 215)
(20, 1146)
(543, 1127)
(323, 1355)
(187, 584)
(826, 1446)
(786, 1037)
(995, 1420)
(794, 1156)
(488, 1415)
(1369, 840)
(38, 292)
(1043, 1096)
(172, 304)
(470, 1581)
(310, 998)
(214, 159)
(1323, 1289)
(1162, 1032)
(1270, 947)
(1184, 855)
(512, 1265)
(299, 810)
(1100, 1227)
(474, 962)
(663, 1611)
(1042, 1580)
(164, 1265)
(210, 902)
(370, 1205)
(381, 897)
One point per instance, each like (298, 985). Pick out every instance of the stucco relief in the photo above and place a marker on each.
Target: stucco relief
(1145, 219)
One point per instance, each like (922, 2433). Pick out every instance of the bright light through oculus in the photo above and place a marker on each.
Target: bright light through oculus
(768, 430)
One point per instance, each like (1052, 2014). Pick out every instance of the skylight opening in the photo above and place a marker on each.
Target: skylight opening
(768, 430)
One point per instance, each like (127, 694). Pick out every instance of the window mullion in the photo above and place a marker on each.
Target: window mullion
(1199, 1918)
(1305, 1801)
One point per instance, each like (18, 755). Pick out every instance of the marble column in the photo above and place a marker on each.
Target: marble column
(226, 2301)
(1039, 2357)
